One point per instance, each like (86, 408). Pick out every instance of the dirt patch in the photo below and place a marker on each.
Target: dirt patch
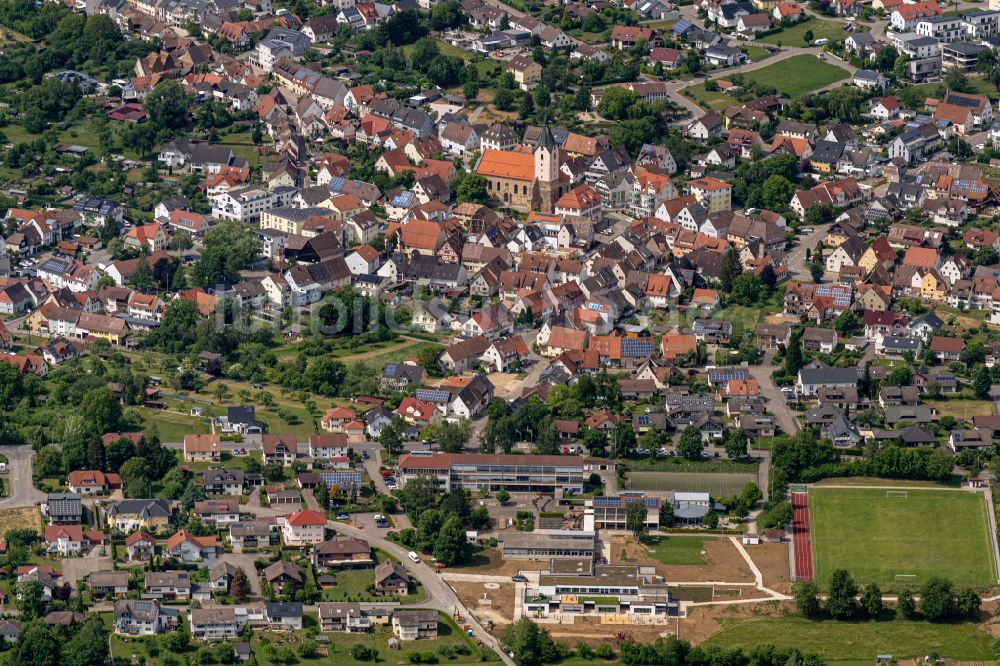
(703, 622)
(507, 384)
(592, 633)
(723, 562)
(772, 560)
(27, 518)
(489, 562)
(487, 604)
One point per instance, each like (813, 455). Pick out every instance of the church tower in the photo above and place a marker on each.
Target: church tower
(546, 186)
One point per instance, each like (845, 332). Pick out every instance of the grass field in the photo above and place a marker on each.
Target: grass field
(877, 538)
(713, 100)
(718, 484)
(20, 519)
(963, 410)
(793, 36)
(845, 643)
(680, 550)
(798, 75)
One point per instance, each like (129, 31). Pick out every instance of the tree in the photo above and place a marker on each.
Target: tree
(807, 37)
(901, 375)
(89, 647)
(135, 477)
(391, 438)
(102, 410)
(846, 323)
(777, 192)
(793, 354)
(36, 646)
(503, 496)
(806, 596)
(167, 105)
(982, 382)
(746, 289)
(619, 104)
(622, 439)
(840, 604)
(967, 603)
(666, 514)
(956, 81)
(596, 442)
(899, 67)
(228, 248)
(871, 600)
(635, 518)
(690, 445)
(30, 601)
(528, 644)
(937, 599)
(731, 268)
(451, 546)
(905, 604)
(736, 443)
(240, 586)
(472, 188)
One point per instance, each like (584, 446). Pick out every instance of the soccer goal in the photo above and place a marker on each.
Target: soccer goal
(896, 494)
(906, 579)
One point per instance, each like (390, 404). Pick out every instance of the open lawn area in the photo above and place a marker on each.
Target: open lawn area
(680, 550)
(858, 643)
(963, 410)
(798, 75)
(713, 100)
(793, 36)
(718, 484)
(21, 519)
(899, 540)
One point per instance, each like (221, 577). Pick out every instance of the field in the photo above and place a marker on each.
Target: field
(877, 538)
(845, 643)
(798, 75)
(719, 484)
(962, 410)
(680, 550)
(710, 99)
(793, 36)
(20, 519)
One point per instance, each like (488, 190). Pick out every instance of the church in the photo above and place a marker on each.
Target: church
(521, 180)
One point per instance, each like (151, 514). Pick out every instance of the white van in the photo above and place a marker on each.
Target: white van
(414, 557)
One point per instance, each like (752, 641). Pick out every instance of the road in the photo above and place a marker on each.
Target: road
(795, 259)
(776, 403)
(439, 596)
(21, 488)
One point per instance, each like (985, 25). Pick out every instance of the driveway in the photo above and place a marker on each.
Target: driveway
(776, 403)
(75, 569)
(20, 486)
(245, 561)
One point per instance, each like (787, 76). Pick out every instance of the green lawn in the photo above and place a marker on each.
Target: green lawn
(798, 75)
(858, 643)
(793, 36)
(718, 484)
(680, 550)
(878, 537)
(713, 100)
(757, 53)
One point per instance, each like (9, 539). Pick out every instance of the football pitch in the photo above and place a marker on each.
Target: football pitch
(901, 537)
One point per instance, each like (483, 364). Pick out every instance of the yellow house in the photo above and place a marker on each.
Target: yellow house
(715, 195)
(526, 71)
(129, 515)
(879, 252)
(202, 448)
(105, 327)
(932, 286)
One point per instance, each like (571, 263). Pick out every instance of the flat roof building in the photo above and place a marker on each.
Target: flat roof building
(547, 545)
(515, 473)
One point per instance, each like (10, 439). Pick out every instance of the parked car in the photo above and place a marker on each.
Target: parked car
(518, 578)
(343, 516)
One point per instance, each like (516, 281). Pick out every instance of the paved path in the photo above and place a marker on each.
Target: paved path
(776, 402)
(439, 596)
(21, 489)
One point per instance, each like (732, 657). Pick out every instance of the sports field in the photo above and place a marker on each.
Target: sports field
(900, 538)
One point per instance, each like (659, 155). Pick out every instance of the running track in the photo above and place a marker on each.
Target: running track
(800, 533)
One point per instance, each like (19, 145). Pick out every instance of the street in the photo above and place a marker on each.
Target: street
(21, 490)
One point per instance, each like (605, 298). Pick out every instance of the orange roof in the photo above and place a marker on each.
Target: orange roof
(923, 257)
(708, 184)
(304, 518)
(70, 532)
(202, 443)
(953, 113)
(507, 164)
(658, 285)
(737, 387)
(675, 345)
(707, 296)
(919, 10)
(421, 234)
(179, 537)
(579, 198)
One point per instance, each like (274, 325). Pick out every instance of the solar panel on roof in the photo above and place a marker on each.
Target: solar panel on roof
(337, 184)
(643, 419)
(633, 347)
(431, 395)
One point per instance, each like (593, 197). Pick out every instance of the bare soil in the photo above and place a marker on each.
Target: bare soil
(772, 560)
(500, 608)
(723, 563)
(703, 622)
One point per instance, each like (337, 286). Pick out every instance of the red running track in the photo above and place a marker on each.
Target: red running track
(800, 533)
